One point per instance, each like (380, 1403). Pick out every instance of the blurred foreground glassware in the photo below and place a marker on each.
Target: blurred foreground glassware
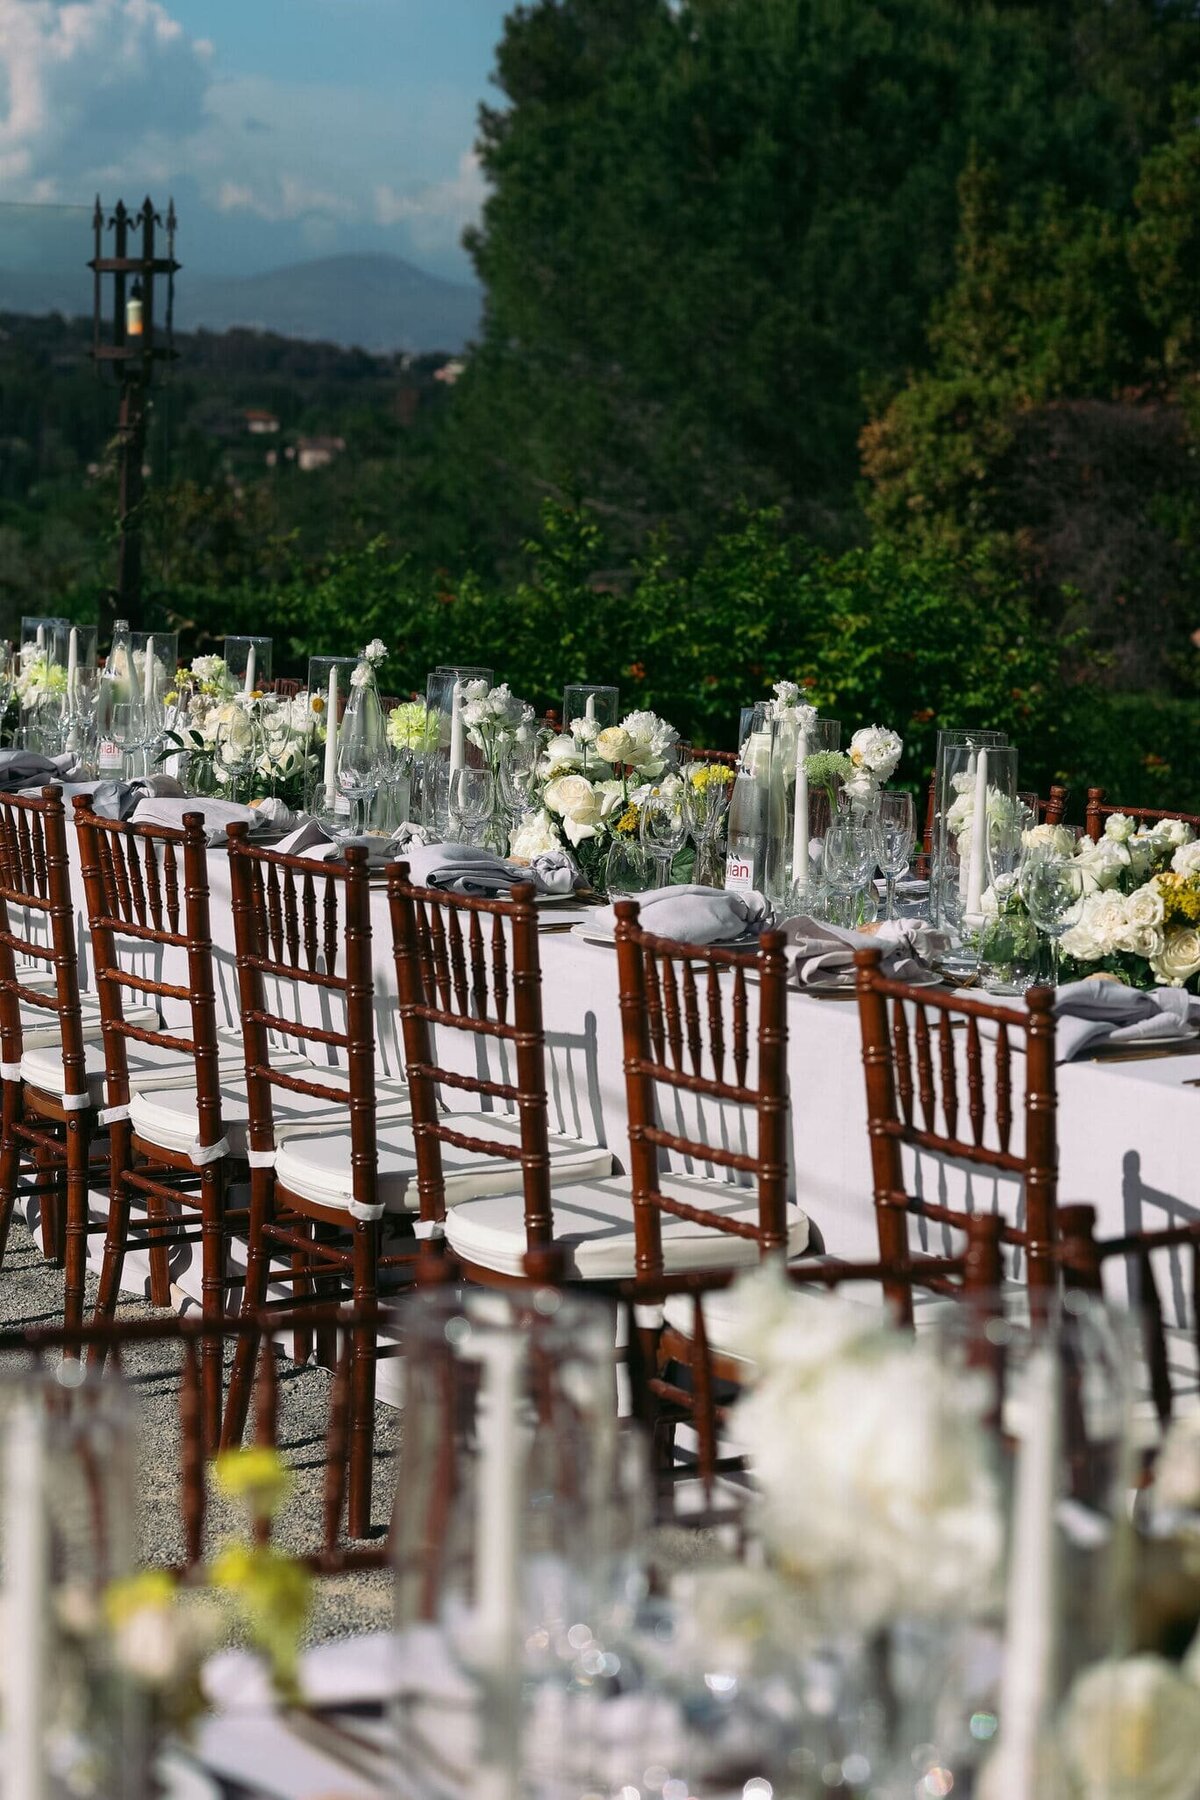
(74, 1721)
(519, 1545)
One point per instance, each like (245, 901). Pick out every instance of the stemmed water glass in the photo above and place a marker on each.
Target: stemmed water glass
(664, 829)
(239, 746)
(897, 826)
(1052, 888)
(850, 854)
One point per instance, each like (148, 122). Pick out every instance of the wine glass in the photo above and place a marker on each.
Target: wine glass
(470, 797)
(897, 825)
(663, 829)
(1052, 888)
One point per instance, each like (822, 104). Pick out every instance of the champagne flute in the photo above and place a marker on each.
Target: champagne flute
(1052, 888)
(897, 826)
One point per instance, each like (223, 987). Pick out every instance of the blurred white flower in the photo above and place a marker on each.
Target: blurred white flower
(1131, 1731)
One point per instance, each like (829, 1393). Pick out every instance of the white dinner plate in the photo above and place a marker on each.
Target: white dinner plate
(592, 935)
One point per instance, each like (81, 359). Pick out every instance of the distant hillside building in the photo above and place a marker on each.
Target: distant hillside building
(318, 452)
(260, 423)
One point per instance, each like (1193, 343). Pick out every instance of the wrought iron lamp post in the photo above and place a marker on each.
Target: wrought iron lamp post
(143, 286)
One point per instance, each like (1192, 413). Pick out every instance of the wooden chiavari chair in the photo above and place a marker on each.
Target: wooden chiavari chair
(1099, 809)
(49, 1114)
(1049, 812)
(565, 1223)
(132, 878)
(1083, 1259)
(691, 1378)
(120, 1339)
(913, 1074)
(728, 758)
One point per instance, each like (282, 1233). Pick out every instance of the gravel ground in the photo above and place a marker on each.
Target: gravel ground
(31, 1293)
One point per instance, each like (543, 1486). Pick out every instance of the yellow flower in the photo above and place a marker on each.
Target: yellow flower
(318, 703)
(1180, 897)
(705, 775)
(258, 1476)
(152, 1588)
(627, 824)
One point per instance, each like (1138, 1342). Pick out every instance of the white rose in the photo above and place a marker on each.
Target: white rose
(1081, 941)
(1145, 906)
(1173, 832)
(614, 744)
(1108, 922)
(1056, 838)
(876, 749)
(562, 753)
(861, 785)
(1179, 958)
(584, 731)
(1144, 940)
(1119, 827)
(1131, 1731)
(578, 805)
(1186, 860)
(534, 836)
(1102, 864)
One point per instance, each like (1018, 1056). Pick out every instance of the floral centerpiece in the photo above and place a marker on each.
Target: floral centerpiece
(590, 786)
(240, 745)
(1140, 916)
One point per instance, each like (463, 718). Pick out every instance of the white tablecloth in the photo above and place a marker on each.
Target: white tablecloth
(1128, 1132)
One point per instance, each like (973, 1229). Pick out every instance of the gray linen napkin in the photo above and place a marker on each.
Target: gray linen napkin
(473, 870)
(29, 768)
(824, 954)
(1088, 1012)
(696, 915)
(169, 809)
(120, 799)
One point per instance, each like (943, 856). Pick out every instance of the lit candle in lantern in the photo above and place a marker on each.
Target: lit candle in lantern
(589, 711)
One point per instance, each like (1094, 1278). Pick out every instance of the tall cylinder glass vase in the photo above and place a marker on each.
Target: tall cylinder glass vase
(944, 906)
(811, 803)
(448, 746)
(981, 791)
(328, 692)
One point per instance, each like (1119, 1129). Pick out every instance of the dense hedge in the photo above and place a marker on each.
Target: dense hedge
(915, 641)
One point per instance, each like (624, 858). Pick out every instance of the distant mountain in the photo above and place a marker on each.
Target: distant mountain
(377, 303)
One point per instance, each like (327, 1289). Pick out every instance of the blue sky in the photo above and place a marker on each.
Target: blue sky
(285, 128)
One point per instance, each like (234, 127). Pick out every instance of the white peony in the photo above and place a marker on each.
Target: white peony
(652, 739)
(873, 1467)
(534, 836)
(1119, 827)
(1131, 1731)
(876, 749)
(1179, 958)
(1186, 860)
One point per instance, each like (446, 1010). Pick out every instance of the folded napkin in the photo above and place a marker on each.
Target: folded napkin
(311, 839)
(824, 954)
(120, 799)
(29, 768)
(169, 809)
(473, 870)
(1091, 1011)
(695, 915)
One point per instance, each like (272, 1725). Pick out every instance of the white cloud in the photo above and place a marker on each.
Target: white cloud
(283, 197)
(436, 207)
(93, 91)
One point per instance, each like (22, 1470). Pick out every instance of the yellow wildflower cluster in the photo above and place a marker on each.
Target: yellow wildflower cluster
(1180, 898)
(706, 775)
(258, 1476)
(627, 824)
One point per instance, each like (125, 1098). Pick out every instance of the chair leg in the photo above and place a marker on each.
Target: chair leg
(328, 1288)
(76, 1222)
(212, 1252)
(10, 1159)
(46, 1169)
(302, 1287)
(241, 1379)
(160, 1259)
(362, 1380)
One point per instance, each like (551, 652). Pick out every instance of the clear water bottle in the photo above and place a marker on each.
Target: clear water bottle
(747, 826)
(114, 698)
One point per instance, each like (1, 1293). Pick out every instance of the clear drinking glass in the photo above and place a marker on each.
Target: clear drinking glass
(627, 869)
(850, 856)
(897, 834)
(663, 829)
(470, 797)
(1052, 888)
(706, 795)
(239, 746)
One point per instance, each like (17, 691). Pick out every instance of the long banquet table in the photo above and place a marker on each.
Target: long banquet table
(1128, 1131)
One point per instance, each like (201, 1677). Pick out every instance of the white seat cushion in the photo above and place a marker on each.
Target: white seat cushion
(39, 1027)
(169, 1117)
(150, 1066)
(318, 1168)
(593, 1224)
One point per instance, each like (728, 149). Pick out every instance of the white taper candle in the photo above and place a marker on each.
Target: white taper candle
(251, 671)
(148, 676)
(27, 1598)
(589, 711)
(977, 871)
(331, 737)
(72, 663)
(458, 747)
(800, 827)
